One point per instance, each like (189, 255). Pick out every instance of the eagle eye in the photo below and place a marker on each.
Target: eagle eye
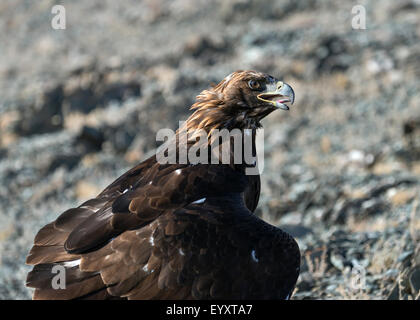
(255, 85)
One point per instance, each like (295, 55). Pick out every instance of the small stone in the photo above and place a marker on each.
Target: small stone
(337, 262)
(401, 197)
(391, 274)
(325, 144)
(91, 138)
(331, 287)
(403, 256)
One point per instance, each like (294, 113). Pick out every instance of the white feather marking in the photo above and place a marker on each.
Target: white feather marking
(253, 255)
(178, 171)
(229, 77)
(146, 268)
(181, 252)
(70, 264)
(199, 201)
(152, 240)
(90, 208)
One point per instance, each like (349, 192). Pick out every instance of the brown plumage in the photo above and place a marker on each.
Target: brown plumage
(177, 231)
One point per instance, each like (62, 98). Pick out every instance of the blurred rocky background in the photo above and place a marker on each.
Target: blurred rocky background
(80, 106)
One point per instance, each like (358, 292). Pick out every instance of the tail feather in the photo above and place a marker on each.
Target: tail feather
(50, 236)
(49, 252)
(72, 291)
(42, 275)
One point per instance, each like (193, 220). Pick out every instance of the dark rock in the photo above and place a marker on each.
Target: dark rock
(331, 54)
(68, 161)
(119, 138)
(411, 131)
(404, 5)
(244, 10)
(46, 116)
(90, 139)
(206, 48)
(382, 187)
(119, 91)
(395, 293)
(81, 99)
(96, 95)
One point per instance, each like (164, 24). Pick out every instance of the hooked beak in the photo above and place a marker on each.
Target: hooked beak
(278, 94)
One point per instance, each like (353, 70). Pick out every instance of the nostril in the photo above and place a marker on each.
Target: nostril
(279, 85)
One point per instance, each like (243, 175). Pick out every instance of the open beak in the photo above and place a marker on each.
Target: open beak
(278, 94)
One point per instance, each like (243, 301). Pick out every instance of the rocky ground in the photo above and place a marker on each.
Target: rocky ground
(80, 106)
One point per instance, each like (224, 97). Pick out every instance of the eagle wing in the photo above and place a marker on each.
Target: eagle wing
(212, 250)
(136, 204)
(216, 249)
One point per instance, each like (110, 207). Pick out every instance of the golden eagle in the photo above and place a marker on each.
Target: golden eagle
(177, 231)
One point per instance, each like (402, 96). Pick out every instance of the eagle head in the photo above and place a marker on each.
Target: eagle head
(240, 101)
